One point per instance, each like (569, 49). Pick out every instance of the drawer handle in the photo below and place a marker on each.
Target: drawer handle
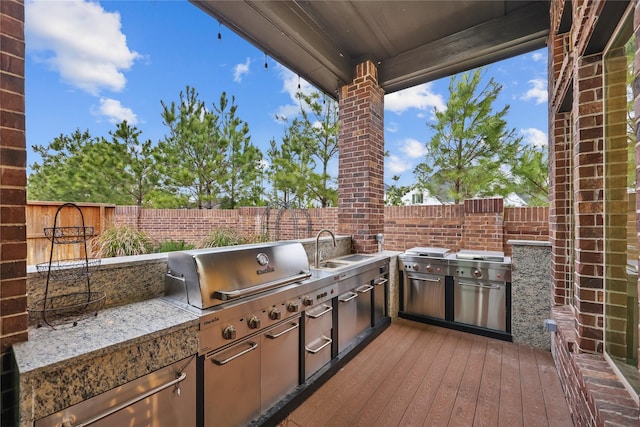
(424, 279)
(252, 346)
(381, 281)
(322, 313)
(479, 285)
(348, 297)
(274, 336)
(364, 289)
(181, 376)
(327, 342)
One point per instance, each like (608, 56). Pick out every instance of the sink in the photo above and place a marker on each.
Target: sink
(355, 257)
(332, 264)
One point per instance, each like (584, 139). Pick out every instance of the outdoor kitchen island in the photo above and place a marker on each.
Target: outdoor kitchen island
(63, 367)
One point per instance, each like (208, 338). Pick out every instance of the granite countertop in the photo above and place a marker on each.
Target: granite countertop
(110, 330)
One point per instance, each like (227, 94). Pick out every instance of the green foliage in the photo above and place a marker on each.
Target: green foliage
(531, 175)
(395, 192)
(191, 156)
(173, 245)
(470, 145)
(241, 171)
(122, 241)
(310, 141)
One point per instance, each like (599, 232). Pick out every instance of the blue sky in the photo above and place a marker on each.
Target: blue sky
(90, 65)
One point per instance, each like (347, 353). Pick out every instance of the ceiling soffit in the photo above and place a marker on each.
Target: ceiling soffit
(412, 42)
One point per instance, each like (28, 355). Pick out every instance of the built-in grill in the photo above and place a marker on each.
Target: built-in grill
(249, 300)
(482, 290)
(468, 290)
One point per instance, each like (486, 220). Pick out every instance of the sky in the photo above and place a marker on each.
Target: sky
(91, 64)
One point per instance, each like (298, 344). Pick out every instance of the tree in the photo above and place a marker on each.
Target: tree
(241, 165)
(290, 164)
(395, 192)
(75, 168)
(192, 156)
(471, 144)
(133, 168)
(531, 175)
(314, 139)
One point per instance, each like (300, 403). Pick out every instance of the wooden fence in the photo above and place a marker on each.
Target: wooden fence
(41, 215)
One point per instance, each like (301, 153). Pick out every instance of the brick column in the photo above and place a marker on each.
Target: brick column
(361, 159)
(588, 204)
(483, 226)
(13, 237)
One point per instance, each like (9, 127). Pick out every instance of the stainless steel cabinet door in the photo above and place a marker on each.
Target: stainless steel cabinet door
(480, 304)
(232, 385)
(424, 295)
(280, 362)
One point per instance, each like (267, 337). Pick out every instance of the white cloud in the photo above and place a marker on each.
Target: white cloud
(81, 41)
(538, 92)
(413, 148)
(537, 56)
(115, 112)
(392, 127)
(240, 70)
(535, 137)
(396, 165)
(420, 97)
(290, 83)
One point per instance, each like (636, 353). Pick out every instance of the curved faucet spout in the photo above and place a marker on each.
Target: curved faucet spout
(333, 237)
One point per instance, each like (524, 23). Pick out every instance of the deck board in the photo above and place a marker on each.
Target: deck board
(415, 374)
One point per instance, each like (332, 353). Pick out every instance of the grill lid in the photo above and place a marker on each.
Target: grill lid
(428, 252)
(205, 278)
(469, 254)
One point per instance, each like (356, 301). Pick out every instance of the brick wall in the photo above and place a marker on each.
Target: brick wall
(13, 158)
(479, 224)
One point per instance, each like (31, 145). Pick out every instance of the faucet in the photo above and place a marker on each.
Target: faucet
(317, 259)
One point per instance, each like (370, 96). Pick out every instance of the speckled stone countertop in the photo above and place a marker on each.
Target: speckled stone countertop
(63, 366)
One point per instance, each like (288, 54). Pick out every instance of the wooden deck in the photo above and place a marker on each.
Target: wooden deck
(415, 374)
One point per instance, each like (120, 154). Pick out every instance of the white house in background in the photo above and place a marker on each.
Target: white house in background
(514, 201)
(419, 197)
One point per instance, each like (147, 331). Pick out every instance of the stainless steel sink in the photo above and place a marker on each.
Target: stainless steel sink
(332, 264)
(355, 257)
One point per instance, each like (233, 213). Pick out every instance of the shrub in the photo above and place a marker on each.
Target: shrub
(122, 241)
(223, 237)
(173, 245)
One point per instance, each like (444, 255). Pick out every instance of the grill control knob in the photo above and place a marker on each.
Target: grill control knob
(229, 333)
(292, 307)
(275, 314)
(477, 273)
(429, 268)
(307, 301)
(415, 267)
(253, 322)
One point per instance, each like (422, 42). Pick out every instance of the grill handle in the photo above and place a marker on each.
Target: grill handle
(252, 346)
(380, 281)
(279, 334)
(328, 341)
(424, 279)
(227, 295)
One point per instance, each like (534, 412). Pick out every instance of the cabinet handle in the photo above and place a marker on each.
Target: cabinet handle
(364, 289)
(314, 351)
(380, 281)
(323, 312)
(479, 285)
(181, 376)
(274, 336)
(424, 279)
(345, 298)
(252, 346)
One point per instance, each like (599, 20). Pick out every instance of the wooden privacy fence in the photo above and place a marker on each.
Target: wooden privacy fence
(40, 215)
